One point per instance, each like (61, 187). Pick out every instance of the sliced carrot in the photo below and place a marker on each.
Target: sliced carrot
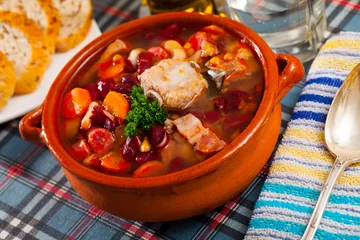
(116, 104)
(111, 68)
(114, 162)
(75, 103)
(150, 169)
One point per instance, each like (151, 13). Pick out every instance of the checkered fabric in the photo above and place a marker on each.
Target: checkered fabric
(37, 202)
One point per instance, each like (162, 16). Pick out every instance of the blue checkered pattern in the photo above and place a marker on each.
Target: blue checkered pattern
(37, 202)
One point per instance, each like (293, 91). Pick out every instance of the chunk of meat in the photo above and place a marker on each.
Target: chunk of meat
(203, 139)
(176, 81)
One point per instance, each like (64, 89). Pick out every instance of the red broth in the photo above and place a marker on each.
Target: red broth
(109, 125)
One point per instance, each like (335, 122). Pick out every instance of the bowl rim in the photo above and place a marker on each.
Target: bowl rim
(50, 116)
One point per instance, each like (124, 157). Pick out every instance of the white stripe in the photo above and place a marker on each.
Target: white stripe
(265, 234)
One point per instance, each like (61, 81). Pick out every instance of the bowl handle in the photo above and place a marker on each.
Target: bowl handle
(30, 127)
(291, 71)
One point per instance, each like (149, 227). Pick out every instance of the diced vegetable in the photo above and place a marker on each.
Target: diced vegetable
(111, 68)
(149, 169)
(114, 162)
(75, 103)
(145, 145)
(100, 140)
(80, 149)
(116, 104)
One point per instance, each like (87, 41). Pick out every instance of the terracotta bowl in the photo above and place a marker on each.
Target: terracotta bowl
(189, 192)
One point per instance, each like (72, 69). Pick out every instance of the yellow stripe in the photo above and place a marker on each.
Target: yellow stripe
(305, 154)
(301, 171)
(336, 63)
(342, 43)
(306, 134)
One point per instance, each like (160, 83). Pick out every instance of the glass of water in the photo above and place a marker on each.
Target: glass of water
(297, 27)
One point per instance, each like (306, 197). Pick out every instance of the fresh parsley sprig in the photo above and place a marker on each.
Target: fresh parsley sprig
(143, 114)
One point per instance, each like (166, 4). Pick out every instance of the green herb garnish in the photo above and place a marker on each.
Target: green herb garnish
(143, 114)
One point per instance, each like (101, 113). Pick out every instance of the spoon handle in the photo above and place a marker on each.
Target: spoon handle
(338, 167)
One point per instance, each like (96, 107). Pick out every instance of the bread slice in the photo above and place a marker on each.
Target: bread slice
(25, 45)
(42, 12)
(75, 18)
(7, 80)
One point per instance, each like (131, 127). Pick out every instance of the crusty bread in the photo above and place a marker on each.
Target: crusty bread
(7, 79)
(25, 45)
(42, 12)
(75, 19)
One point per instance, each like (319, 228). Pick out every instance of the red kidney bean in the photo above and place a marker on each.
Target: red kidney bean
(221, 103)
(80, 149)
(158, 136)
(105, 86)
(179, 40)
(176, 164)
(131, 148)
(129, 68)
(99, 119)
(144, 62)
(100, 140)
(122, 88)
(235, 121)
(170, 31)
(130, 79)
(93, 90)
(212, 116)
(144, 157)
(240, 94)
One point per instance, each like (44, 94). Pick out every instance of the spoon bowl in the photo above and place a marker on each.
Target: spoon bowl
(342, 138)
(342, 131)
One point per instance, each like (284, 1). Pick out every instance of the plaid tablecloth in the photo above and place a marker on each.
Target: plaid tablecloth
(37, 202)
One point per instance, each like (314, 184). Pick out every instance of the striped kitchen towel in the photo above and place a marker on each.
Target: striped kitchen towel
(302, 162)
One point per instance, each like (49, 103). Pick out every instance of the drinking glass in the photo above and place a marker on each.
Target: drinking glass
(296, 27)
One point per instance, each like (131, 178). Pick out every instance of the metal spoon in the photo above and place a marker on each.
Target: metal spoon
(342, 137)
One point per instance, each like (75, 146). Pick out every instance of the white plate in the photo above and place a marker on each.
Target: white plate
(22, 104)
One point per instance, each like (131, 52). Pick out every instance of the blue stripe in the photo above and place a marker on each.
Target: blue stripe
(294, 207)
(309, 193)
(319, 117)
(333, 82)
(315, 98)
(343, 52)
(293, 228)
